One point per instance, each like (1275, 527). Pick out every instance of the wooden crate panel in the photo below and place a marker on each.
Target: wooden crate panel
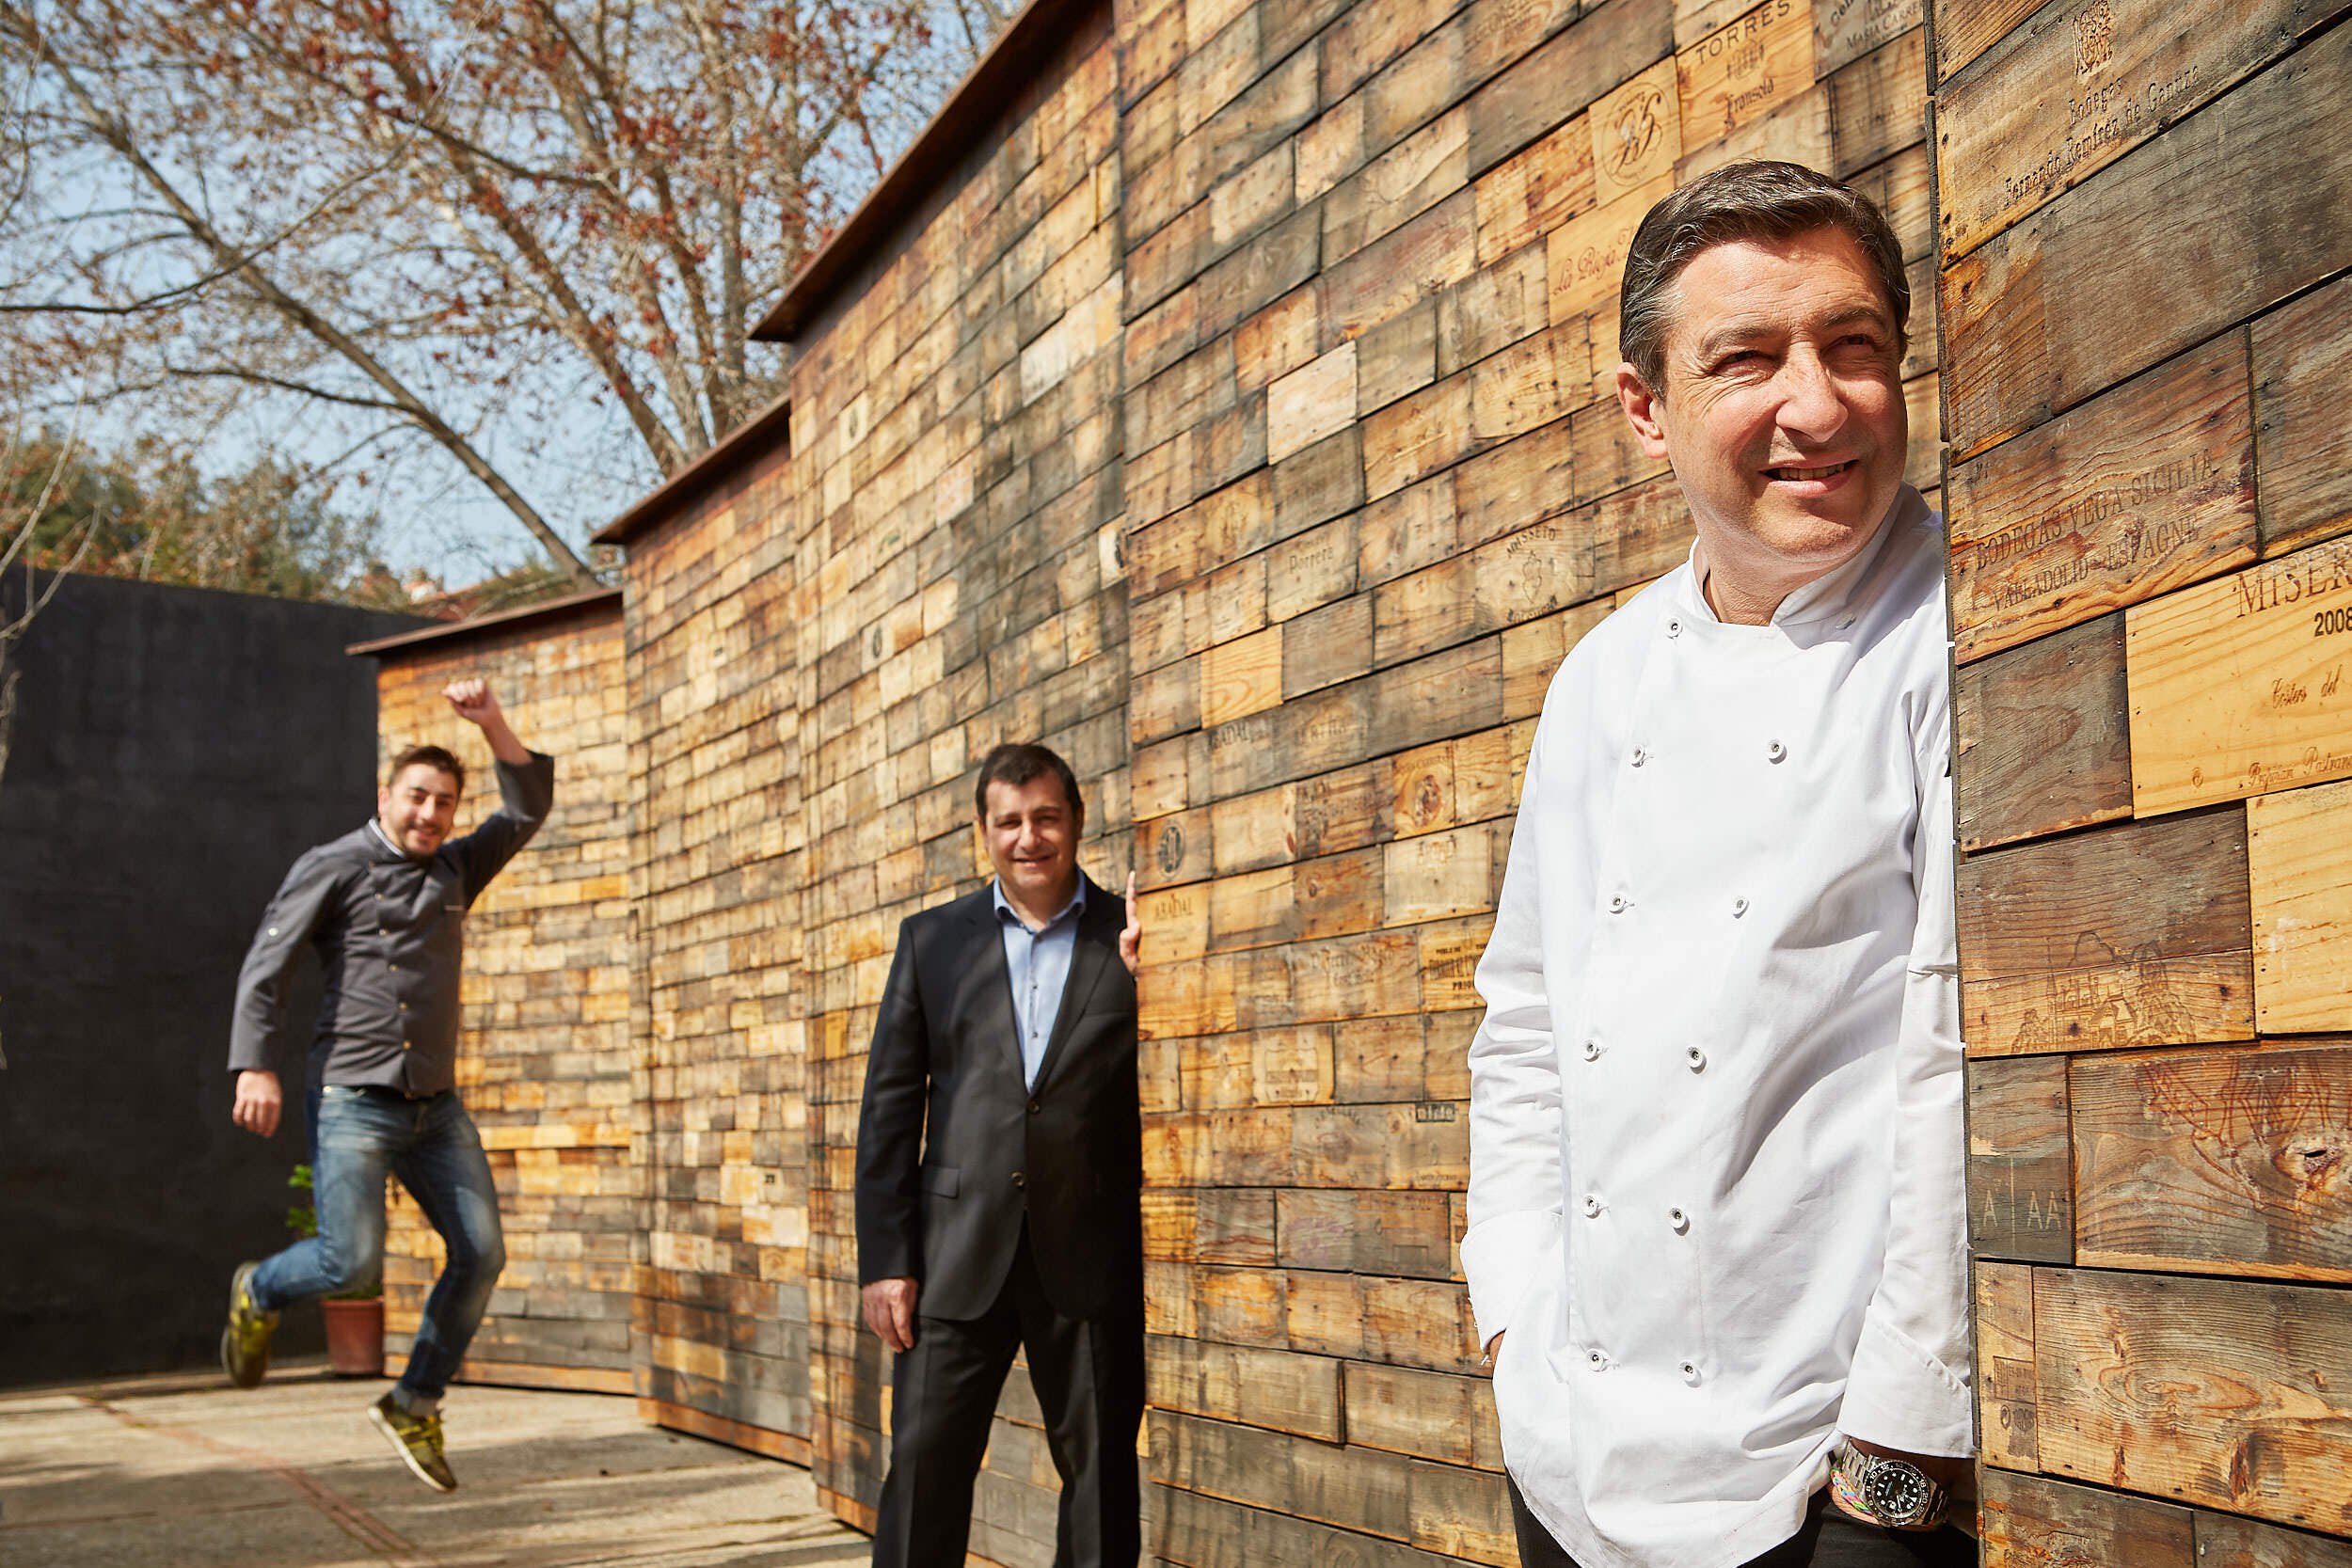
(2030, 1522)
(2146, 488)
(2298, 848)
(2004, 144)
(1636, 132)
(2008, 1422)
(2239, 685)
(2227, 1542)
(2236, 1161)
(2227, 1394)
(2045, 737)
(2136, 936)
(2253, 166)
(2021, 1177)
(1744, 69)
(2302, 379)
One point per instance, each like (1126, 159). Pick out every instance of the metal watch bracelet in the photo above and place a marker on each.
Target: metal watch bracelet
(1894, 1491)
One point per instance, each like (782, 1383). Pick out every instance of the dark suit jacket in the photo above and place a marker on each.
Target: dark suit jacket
(947, 1208)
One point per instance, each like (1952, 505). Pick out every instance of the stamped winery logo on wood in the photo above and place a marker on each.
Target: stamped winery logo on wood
(2238, 685)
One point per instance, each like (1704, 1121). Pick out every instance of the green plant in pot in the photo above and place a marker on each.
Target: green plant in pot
(355, 1319)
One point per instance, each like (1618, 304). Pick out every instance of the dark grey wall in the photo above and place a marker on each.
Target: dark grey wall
(173, 751)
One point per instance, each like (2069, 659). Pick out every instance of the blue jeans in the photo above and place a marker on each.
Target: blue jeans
(362, 1135)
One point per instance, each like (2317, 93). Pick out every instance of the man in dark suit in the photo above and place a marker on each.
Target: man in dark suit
(1008, 1025)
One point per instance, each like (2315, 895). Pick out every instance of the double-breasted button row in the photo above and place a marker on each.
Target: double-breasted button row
(1692, 1058)
(1598, 1361)
(1677, 1218)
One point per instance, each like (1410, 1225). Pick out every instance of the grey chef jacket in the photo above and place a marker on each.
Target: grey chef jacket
(389, 929)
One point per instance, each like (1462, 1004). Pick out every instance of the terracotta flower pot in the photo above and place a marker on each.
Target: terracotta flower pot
(355, 1337)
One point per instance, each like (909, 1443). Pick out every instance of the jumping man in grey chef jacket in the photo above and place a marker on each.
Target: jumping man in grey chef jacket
(384, 907)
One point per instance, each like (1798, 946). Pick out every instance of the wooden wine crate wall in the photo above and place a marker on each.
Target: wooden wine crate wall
(717, 1007)
(544, 1054)
(2145, 219)
(1377, 486)
(956, 514)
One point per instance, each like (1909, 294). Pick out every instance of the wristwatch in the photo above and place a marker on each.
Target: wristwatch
(1894, 1492)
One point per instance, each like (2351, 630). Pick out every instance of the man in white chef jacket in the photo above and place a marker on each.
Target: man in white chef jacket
(1717, 1232)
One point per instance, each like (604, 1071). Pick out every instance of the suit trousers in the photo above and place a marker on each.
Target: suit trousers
(1828, 1539)
(1089, 1377)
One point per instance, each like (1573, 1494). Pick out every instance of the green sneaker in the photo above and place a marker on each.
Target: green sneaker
(244, 1343)
(419, 1441)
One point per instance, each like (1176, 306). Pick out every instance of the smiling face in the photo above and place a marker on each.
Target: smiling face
(418, 808)
(1782, 412)
(1032, 834)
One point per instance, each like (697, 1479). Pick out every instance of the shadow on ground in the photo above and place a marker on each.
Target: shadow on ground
(191, 1474)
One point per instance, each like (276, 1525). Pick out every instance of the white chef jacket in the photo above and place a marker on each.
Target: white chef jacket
(1716, 1144)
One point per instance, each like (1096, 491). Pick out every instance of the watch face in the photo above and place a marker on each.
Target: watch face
(1898, 1493)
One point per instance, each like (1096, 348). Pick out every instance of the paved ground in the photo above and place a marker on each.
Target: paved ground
(187, 1473)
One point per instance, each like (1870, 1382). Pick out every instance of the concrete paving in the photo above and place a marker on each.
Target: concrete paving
(187, 1472)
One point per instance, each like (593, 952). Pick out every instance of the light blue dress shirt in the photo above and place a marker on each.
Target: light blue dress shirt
(1038, 962)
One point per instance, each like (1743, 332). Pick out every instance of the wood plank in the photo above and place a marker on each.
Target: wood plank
(1516, 484)
(1636, 131)
(1563, 77)
(2130, 68)
(1742, 72)
(719, 1429)
(1361, 1488)
(1241, 676)
(2298, 853)
(2223, 1542)
(2020, 1161)
(1494, 306)
(1877, 105)
(1310, 569)
(2045, 737)
(2024, 336)
(2228, 1394)
(2005, 1364)
(1965, 30)
(1196, 1530)
(2216, 1162)
(1798, 132)
(2032, 1522)
(2145, 488)
(2302, 442)
(1264, 1387)
(2239, 685)
(1310, 402)
(1398, 357)
(1531, 383)
(1464, 1513)
(1584, 258)
(1438, 876)
(1520, 201)
(1845, 30)
(1638, 534)
(2138, 935)
(1398, 1234)
(1427, 1414)
(1415, 437)
(1902, 187)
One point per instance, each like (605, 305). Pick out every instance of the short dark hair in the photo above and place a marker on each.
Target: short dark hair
(1016, 763)
(1756, 200)
(431, 756)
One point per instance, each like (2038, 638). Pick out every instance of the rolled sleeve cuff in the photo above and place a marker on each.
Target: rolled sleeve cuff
(1901, 1398)
(1501, 1257)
